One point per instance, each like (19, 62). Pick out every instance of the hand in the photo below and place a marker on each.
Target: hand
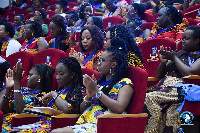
(9, 79)
(95, 63)
(18, 74)
(162, 60)
(91, 85)
(47, 98)
(169, 55)
(75, 54)
(72, 33)
(154, 3)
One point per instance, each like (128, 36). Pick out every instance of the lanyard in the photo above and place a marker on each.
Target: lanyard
(18, 26)
(56, 40)
(7, 39)
(80, 24)
(105, 82)
(28, 44)
(161, 31)
(191, 61)
(86, 59)
(35, 92)
(59, 93)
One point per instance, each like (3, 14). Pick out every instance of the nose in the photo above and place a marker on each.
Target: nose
(57, 77)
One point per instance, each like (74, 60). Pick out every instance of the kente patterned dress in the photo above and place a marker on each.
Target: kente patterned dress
(30, 99)
(18, 29)
(89, 62)
(59, 43)
(161, 104)
(31, 46)
(134, 60)
(174, 33)
(87, 122)
(120, 12)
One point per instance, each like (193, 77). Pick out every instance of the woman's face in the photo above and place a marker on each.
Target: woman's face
(70, 20)
(17, 21)
(2, 32)
(189, 44)
(110, 5)
(28, 33)
(108, 40)
(88, 12)
(162, 18)
(37, 17)
(58, 9)
(55, 29)
(63, 75)
(37, 3)
(105, 63)
(33, 77)
(90, 21)
(86, 40)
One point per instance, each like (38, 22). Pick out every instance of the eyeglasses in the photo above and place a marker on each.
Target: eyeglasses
(103, 60)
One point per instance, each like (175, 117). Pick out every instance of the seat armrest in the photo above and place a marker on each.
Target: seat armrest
(24, 115)
(122, 115)
(192, 77)
(153, 79)
(67, 116)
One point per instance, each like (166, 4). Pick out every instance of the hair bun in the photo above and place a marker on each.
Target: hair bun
(119, 43)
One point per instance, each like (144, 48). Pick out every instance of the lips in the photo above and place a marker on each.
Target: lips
(85, 46)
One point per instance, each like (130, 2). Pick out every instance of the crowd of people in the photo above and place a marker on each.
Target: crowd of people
(109, 51)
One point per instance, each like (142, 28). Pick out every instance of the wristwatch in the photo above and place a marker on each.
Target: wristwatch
(98, 94)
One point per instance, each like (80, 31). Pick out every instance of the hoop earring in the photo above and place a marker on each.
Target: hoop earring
(38, 80)
(32, 34)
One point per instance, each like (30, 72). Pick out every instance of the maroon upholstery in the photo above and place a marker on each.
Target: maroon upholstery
(1, 119)
(50, 13)
(192, 11)
(28, 16)
(43, 57)
(151, 63)
(62, 122)
(155, 17)
(147, 17)
(147, 25)
(47, 21)
(192, 21)
(8, 14)
(49, 37)
(76, 48)
(24, 121)
(179, 46)
(90, 72)
(71, 5)
(110, 21)
(26, 60)
(21, 41)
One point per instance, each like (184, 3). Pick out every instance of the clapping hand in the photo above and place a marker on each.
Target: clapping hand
(75, 54)
(9, 79)
(166, 55)
(17, 72)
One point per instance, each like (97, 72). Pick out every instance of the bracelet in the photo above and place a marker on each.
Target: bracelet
(4, 96)
(160, 5)
(18, 91)
(71, 38)
(84, 99)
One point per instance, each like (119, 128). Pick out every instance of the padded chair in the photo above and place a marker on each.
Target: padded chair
(1, 120)
(155, 17)
(71, 5)
(49, 37)
(192, 11)
(28, 16)
(49, 56)
(192, 21)
(147, 25)
(147, 17)
(8, 14)
(110, 21)
(118, 123)
(50, 13)
(90, 72)
(26, 59)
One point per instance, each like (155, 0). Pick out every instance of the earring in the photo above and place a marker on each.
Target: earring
(38, 80)
(32, 34)
(72, 77)
(111, 72)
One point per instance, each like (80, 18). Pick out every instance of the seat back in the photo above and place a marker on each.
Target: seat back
(150, 53)
(90, 72)
(76, 48)
(26, 59)
(1, 120)
(49, 56)
(192, 21)
(50, 13)
(138, 77)
(147, 17)
(192, 11)
(147, 25)
(110, 21)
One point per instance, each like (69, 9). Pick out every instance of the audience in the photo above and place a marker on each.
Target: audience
(60, 7)
(111, 93)
(19, 26)
(95, 21)
(71, 17)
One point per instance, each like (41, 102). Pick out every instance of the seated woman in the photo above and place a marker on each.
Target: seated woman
(173, 66)
(38, 4)
(39, 82)
(95, 21)
(34, 42)
(58, 30)
(8, 45)
(60, 7)
(136, 25)
(69, 96)
(71, 17)
(4, 65)
(19, 26)
(112, 96)
(91, 41)
(171, 27)
(40, 16)
(85, 12)
(134, 55)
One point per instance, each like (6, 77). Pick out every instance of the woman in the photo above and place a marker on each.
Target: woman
(95, 21)
(4, 65)
(136, 25)
(60, 7)
(71, 17)
(85, 12)
(34, 42)
(171, 27)
(134, 55)
(9, 45)
(40, 16)
(38, 83)
(112, 96)
(173, 66)
(91, 41)
(69, 77)
(19, 26)
(38, 4)
(58, 30)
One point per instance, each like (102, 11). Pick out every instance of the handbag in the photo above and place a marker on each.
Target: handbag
(189, 92)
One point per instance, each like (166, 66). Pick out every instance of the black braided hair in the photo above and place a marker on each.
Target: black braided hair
(196, 31)
(36, 27)
(9, 28)
(63, 3)
(61, 22)
(73, 65)
(73, 14)
(98, 22)
(119, 43)
(43, 13)
(82, 9)
(176, 15)
(127, 35)
(118, 56)
(46, 72)
(3, 69)
(97, 37)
